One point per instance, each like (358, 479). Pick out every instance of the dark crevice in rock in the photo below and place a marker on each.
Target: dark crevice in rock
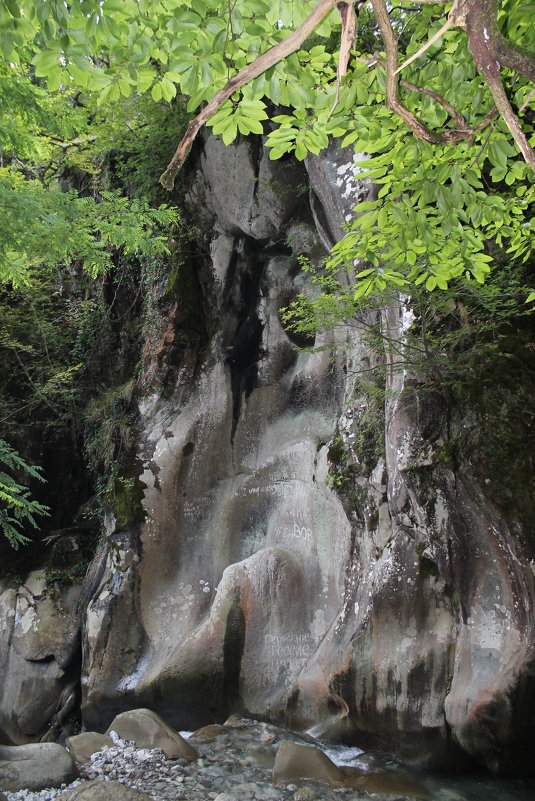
(231, 270)
(328, 239)
(233, 647)
(243, 361)
(244, 353)
(256, 157)
(67, 719)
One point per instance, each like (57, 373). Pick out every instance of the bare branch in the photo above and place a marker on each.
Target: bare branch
(505, 109)
(491, 116)
(377, 59)
(392, 100)
(527, 101)
(457, 116)
(447, 25)
(491, 51)
(349, 34)
(275, 54)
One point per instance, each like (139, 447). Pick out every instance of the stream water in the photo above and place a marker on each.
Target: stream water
(441, 786)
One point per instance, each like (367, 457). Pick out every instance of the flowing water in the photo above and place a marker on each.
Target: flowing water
(441, 786)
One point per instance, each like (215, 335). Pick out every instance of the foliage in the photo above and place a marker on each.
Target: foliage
(17, 507)
(79, 200)
(46, 149)
(439, 203)
(46, 225)
(92, 95)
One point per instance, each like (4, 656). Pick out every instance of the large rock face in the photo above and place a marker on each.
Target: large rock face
(39, 660)
(391, 604)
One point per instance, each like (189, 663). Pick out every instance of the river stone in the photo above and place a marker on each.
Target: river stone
(148, 730)
(82, 746)
(104, 791)
(35, 766)
(208, 733)
(296, 762)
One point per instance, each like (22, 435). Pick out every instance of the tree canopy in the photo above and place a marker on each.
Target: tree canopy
(440, 97)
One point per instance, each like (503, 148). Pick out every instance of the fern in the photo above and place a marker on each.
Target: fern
(17, 506)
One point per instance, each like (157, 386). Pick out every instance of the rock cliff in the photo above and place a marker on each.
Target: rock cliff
(290, 565)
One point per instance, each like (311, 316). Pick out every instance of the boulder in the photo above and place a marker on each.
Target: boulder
(82, 746)
(39, 638)
(208, 733)
(35, 766)
(148, 730)
(297, 763)
(104, 791)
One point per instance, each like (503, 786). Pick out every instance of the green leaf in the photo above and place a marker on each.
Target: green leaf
(125, 87)
(230, 133)
(45, 62)
(146, 77)
(54, 80)
(168, 89)
(300, 151)
(13, 8)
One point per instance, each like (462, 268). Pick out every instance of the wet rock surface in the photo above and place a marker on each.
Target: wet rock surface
(306, 565)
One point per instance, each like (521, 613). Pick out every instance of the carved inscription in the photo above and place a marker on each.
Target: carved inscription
(290, 650)
(197, 509)
(294, 532)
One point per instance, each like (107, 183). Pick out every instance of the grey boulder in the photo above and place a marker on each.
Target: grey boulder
(83, 746)
(149, 730)
(103, 791)
(35, 766)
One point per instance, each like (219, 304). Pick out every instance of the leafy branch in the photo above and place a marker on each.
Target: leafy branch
(490, 50)
(17, 506)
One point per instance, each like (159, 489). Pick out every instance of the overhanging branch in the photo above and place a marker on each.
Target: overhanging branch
(489, 48)
(275, 54)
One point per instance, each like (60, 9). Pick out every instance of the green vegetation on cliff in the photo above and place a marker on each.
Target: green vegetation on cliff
(95, 95)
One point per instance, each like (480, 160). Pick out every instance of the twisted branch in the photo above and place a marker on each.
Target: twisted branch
(272, 56)
(489, 48)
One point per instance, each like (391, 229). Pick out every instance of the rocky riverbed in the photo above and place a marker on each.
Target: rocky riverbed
(236, 764)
